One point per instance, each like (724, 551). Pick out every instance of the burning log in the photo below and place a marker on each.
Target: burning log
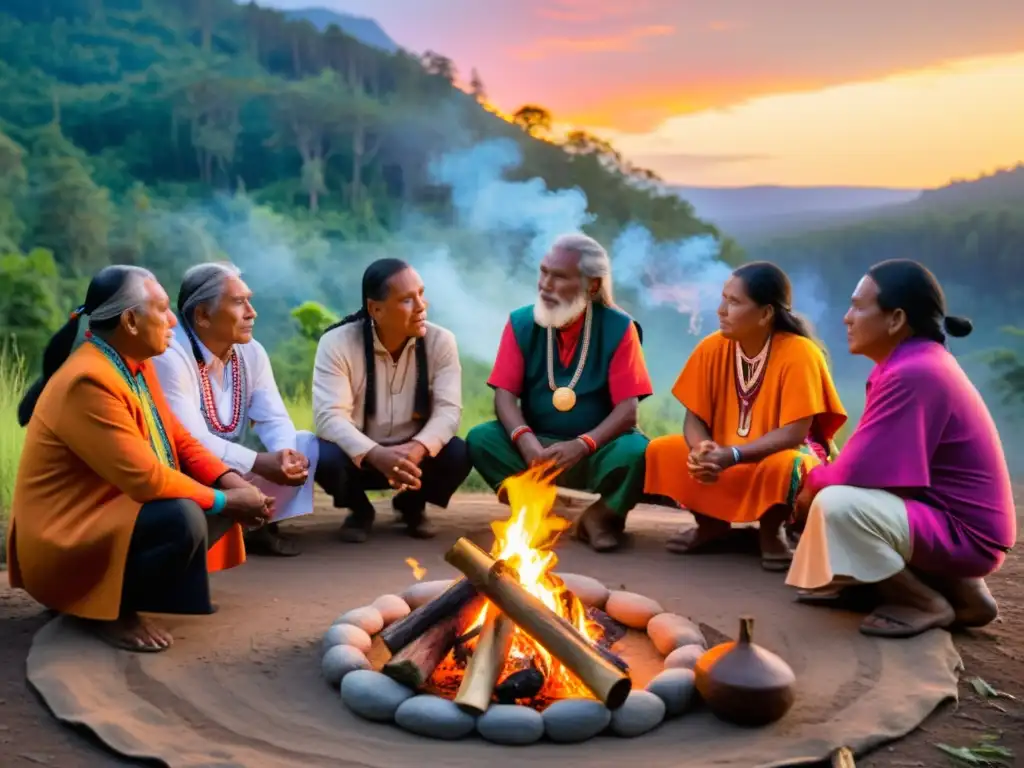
(394, 638)
(415, 663)
(496, 581)
(486, 663)
(524, 684)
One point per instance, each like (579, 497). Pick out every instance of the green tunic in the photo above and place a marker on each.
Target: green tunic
(616, 470)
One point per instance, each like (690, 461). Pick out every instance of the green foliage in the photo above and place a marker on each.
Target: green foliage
(1008, 365)
(12, 384)
(313, 319)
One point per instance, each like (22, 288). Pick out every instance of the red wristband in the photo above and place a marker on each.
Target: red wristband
(589, 442)
(519, 432)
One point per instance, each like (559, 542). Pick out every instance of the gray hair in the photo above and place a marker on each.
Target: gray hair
(131, 294)
(203, 284)
(594, 263)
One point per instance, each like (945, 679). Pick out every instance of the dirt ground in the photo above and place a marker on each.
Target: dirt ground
(991, 705)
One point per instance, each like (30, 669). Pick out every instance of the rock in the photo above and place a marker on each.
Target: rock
(423, 592)
(366, 618)
(669, 631)
(631, 609)
(427, 715)
(684, 657)
(340, 660)
(372, 695)
(675, 687)
(590, 591)
(642, 712)
(573, 720)
(347, 634)
(391, 607)
(511, 725)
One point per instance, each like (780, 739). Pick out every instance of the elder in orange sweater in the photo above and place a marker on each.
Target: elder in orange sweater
(117, 509)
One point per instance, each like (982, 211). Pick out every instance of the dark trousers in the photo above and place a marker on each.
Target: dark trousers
(166, 567)
(348, 484)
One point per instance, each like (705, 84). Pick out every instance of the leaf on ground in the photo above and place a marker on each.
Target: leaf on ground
(986, 691)
(983, 754)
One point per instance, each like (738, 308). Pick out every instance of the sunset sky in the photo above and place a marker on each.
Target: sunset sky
(903, 93)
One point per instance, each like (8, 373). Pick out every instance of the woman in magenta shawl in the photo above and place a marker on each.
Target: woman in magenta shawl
(918, 503)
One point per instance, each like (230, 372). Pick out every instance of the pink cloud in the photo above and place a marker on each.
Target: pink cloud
(629, 41)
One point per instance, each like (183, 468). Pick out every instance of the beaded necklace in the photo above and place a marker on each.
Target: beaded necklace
(158, 439)
(239, 393)
(749, 377)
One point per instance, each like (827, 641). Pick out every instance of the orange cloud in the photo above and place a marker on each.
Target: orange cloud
(553, 46)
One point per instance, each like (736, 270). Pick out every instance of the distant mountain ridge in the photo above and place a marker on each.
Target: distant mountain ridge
(366, 31)
(754, 213)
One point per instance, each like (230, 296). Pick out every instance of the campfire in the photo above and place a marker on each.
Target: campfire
(509, 631)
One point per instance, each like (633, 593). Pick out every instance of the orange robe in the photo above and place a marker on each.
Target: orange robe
(796, 385)
(86, 470)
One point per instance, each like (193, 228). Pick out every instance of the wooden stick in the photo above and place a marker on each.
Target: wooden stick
(560, 638)
(843, 758)
(486, 664)
(394, 638)
(415, 663)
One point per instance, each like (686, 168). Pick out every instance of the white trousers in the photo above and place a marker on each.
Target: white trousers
(293, 501)
(852, 535)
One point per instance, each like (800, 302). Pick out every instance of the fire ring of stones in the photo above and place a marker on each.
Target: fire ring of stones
(377, 697)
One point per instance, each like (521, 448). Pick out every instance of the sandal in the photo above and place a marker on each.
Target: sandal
(903, 622)
(776, 563)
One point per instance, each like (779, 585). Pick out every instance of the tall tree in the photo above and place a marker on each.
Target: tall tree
(476, 87)
(534, 120)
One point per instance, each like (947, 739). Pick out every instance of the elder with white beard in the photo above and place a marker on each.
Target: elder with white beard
(568, 380)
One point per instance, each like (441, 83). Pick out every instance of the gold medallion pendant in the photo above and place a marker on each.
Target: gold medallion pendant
(563, 399)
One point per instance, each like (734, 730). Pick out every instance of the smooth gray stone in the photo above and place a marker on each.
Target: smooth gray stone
(590, 591)
(373, 696)
(340, 660)
(511, 725)
(366, 618)
(573, 720)
(669, 631)
(347, 634)
(423, 592)
(392, 608)
(642, 712)
(675, 687)
(632, 609)
(432, 716)
(684, 657)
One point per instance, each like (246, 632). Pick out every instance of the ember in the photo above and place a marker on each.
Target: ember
(510, 664)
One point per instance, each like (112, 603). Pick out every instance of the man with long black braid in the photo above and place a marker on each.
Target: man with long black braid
(387, 401)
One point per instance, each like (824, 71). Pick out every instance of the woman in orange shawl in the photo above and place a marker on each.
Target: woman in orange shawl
(761, 410)
(114, 509)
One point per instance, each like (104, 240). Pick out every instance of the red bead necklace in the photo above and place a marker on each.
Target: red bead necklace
(209, 404)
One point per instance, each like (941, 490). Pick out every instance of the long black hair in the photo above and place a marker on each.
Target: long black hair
(108, 283)
(905, 284)
(768, 286)
(376, 288)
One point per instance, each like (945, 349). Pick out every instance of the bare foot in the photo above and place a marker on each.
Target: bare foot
(133, 633)
(690, 541)
(599, 528)
(904, 621)
(775, 552)
(971, 600)
(909, 607)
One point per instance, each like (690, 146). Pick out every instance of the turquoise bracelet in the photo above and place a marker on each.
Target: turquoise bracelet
(219, 502)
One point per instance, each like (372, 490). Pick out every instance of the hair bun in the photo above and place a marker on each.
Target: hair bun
(957, 326)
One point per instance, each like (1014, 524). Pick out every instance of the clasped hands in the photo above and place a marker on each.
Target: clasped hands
(400, 464)
(284, 467)
(708, 460)
(561, 456)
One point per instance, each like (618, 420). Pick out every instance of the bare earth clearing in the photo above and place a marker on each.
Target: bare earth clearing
(30, 736)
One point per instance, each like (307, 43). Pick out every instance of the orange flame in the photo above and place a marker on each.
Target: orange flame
(418, 572)
(524, 541)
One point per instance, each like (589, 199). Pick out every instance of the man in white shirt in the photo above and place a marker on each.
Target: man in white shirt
(219, 383)
(387, 401)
